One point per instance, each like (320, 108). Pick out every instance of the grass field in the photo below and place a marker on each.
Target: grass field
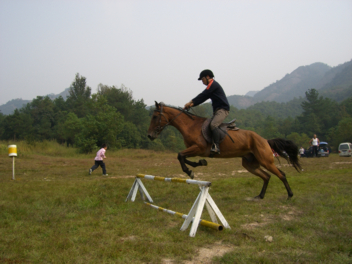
(54, 212)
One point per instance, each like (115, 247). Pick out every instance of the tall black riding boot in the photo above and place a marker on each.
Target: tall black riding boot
(216, 139)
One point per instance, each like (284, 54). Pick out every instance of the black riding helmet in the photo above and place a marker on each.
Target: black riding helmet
(206, 73)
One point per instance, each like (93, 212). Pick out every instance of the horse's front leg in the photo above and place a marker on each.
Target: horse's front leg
(191, 151)
(201, 162)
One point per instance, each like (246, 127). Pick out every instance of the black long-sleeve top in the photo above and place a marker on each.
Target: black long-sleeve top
(217, 96)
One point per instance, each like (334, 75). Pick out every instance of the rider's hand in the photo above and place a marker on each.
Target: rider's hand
(188, 105)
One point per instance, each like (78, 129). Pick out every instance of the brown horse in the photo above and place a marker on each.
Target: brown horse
(254, 150)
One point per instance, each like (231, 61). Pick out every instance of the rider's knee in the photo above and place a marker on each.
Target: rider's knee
(212, 126)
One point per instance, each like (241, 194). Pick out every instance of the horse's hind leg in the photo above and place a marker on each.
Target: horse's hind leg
(252, 165)
(281, 175)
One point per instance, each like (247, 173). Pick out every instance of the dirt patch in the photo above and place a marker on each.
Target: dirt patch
(242, 171)
(180, 176)
(342, 162)
(290, 215)
(284, 165)
(128, 238)
(254, 225)
(205, 254)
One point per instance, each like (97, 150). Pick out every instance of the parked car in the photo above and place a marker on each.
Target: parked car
(324, 149)
(345, 149)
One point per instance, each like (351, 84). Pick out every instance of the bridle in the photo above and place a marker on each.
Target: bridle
(160, 128)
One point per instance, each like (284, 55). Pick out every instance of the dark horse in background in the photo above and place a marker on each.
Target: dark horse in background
(254, 150)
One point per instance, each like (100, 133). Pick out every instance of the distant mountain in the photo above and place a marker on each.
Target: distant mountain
(251, 93)
(294, 84)
(10, 106)
(334, 83)
(339, 76)
(241, 101)
(64, 94)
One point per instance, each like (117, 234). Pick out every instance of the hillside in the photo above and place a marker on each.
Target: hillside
(10, 106)
(334, 83)
(251, 93)
(294, 84)
(241, 101)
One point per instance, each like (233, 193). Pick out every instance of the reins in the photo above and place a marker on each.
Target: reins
(160, 128)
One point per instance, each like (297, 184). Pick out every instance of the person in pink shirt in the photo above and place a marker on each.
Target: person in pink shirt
(99, 160)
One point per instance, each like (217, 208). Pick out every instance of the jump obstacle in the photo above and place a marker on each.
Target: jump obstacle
(194, 214)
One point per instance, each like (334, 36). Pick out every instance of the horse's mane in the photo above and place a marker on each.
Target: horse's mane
(186, 112)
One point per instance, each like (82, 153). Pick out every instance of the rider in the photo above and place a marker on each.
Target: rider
(219, 101)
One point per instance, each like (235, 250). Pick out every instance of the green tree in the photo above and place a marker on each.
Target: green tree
(71, 128)
(286, 126)
(343, 131)
(79, 96)
(319, 114)
(102, 127)
(129, 137)
(17, 126)
(299, 139)
(41, 110)
(270, 129)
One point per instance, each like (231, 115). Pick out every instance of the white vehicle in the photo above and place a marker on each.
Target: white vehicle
(345, 149)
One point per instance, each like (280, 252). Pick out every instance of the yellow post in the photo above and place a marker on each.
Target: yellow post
(12, 150)
(184, 216)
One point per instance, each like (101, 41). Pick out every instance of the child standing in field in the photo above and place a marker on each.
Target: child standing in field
(301, 151)
(99, 160)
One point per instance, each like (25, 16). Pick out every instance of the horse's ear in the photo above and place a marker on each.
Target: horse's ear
(157, 106)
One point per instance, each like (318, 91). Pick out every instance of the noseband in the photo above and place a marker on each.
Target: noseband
(160, 128)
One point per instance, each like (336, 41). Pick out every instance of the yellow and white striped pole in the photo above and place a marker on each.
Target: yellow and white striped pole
(189, 181)
(12, 150)
(184, 216)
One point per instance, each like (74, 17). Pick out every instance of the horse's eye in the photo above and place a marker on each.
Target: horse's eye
(154, 117)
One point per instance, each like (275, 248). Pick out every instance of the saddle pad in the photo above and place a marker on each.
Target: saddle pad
(206, 131)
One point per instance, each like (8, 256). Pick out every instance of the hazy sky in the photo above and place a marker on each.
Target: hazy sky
(157, 48)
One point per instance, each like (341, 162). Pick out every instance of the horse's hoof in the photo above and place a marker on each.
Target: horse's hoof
(203, 162)
(191, 174)
(258, 197)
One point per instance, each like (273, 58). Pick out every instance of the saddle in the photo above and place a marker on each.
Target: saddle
(224, 127)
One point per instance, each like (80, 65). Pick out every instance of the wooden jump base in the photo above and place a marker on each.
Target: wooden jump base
(203, 199)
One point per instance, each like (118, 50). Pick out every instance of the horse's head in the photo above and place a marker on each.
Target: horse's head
(158, 122)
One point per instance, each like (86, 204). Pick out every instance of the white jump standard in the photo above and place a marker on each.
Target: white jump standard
(195, 213)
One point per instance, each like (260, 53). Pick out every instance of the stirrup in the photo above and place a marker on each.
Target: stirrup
(215, 149)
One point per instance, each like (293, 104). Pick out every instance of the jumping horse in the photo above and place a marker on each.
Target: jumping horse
(254, 150)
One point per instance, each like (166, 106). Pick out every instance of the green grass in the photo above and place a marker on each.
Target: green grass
(54, 212)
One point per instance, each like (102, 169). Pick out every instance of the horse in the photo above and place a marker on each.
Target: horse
(255, 151)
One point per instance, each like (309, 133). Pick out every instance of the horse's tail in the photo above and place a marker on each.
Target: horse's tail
(280, 146)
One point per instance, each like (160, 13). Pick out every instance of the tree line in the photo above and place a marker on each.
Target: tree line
(85, 120)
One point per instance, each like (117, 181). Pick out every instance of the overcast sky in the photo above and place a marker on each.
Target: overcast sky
(157, 48)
